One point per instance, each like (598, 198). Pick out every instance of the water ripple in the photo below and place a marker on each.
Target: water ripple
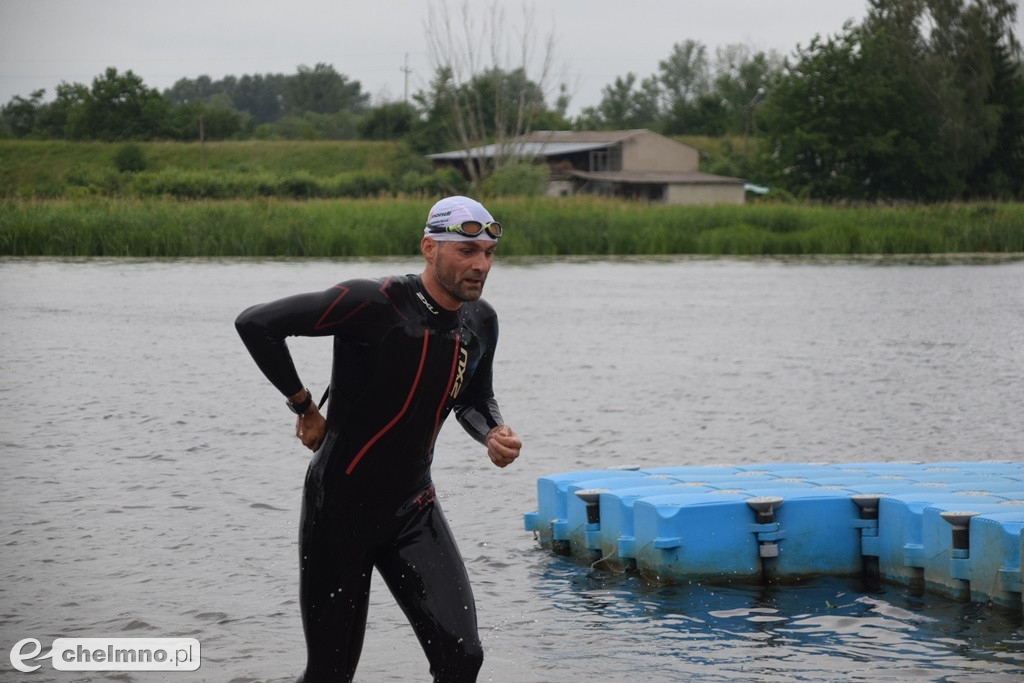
(158, 519)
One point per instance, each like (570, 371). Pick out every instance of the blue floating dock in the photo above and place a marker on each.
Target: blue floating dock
(952, 528)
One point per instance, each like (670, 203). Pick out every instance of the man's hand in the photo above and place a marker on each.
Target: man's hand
(310, 428)
(502, 445)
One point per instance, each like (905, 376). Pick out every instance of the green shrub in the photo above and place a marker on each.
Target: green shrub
(445, 181)
(44, 186)
(522, 180)
(361, 185)
(130, 159)
(84, 180)
(411, 183)
(182, 184)
(302, 185)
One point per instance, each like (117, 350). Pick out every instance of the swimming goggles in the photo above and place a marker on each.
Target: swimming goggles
(471, 229)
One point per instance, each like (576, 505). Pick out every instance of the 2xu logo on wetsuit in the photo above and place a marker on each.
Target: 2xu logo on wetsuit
(460, 373)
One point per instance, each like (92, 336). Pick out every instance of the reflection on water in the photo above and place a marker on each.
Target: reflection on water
(778, 633)
(151, 481)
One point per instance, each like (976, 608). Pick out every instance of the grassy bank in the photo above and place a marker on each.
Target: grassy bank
(60, 168)
(556, 227)
(241, 169)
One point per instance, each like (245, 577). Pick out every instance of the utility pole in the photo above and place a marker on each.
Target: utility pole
(406, 70)
(749, 118)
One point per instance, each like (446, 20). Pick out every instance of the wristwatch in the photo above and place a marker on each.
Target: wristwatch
(302, 406)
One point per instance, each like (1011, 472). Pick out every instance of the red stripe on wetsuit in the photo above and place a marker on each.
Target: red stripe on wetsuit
(322, 322)
(408, 400)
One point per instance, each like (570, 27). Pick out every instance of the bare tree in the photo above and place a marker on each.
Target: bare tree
(493, 78)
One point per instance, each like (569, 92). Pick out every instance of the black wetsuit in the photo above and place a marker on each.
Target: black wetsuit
(401, 364)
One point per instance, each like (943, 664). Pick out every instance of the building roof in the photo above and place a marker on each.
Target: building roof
(521, 148)
(546, 143)
(605, 137)
(658, 177)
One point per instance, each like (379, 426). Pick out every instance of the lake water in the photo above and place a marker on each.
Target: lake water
(151, 481)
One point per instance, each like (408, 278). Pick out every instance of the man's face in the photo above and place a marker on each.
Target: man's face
(461, 268)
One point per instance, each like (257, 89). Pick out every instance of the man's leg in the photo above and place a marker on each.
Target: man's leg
(426, 575)
(334, 591)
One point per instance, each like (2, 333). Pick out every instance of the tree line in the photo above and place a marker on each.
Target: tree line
(313, 103)
(922, 100)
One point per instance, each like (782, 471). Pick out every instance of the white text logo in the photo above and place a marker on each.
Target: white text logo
(110, 654)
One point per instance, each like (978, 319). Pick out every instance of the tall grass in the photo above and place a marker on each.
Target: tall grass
(538, 226)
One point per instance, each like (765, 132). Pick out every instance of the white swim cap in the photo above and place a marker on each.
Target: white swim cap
(454, 211)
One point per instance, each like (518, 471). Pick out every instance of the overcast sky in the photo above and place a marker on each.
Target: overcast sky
(44, 42)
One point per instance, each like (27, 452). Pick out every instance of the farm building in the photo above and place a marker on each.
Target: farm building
(636, 164)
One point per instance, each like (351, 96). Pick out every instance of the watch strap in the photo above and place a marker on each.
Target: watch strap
(300, 407)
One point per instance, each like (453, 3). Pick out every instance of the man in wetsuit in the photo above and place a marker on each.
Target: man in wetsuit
(407, 351)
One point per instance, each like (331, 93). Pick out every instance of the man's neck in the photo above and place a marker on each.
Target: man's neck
(437, 293)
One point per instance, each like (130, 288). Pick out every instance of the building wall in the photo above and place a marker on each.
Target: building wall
(652, 152)
(560, 188)
(705, 193)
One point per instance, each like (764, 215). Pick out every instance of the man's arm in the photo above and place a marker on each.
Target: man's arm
(483, 422)
(263, 329)
(477, 410)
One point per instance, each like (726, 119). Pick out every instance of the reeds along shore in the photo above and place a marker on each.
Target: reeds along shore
(267, 227)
